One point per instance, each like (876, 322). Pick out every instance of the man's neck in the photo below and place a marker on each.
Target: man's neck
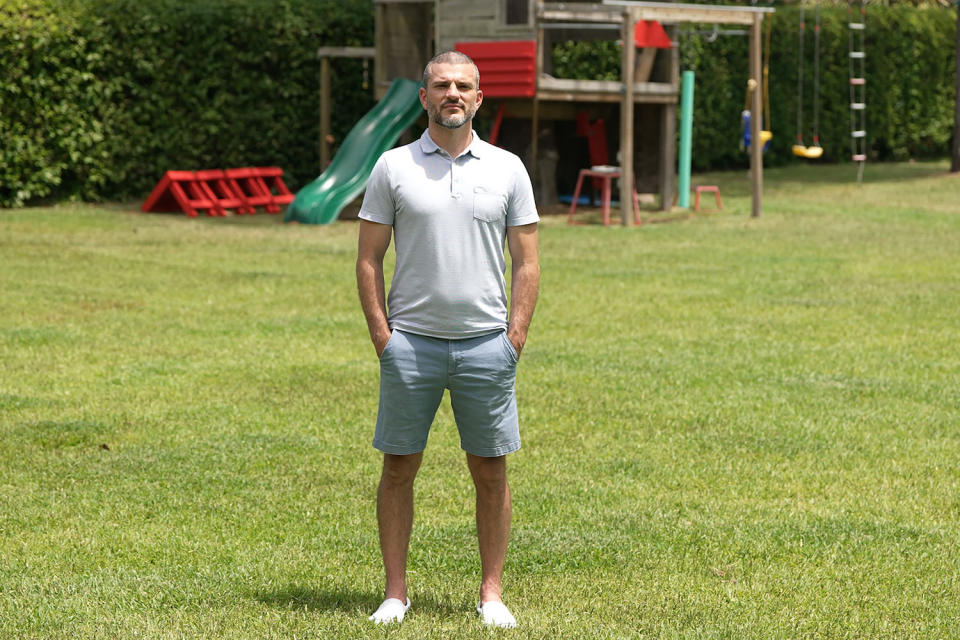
(453, 141)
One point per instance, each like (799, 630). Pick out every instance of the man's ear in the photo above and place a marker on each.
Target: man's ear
(423, 98)
(479, 98)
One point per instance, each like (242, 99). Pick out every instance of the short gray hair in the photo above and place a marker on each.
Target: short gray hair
(450, 57)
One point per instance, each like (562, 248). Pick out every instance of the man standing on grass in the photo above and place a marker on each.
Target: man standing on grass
(450, 200)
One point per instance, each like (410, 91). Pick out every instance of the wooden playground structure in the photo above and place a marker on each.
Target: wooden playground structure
(517, 80)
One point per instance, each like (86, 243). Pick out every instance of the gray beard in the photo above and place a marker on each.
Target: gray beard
(452, 122)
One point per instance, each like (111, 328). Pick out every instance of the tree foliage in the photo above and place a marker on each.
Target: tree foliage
(99, 97)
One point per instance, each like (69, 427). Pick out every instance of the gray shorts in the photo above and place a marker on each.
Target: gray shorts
(480, 374)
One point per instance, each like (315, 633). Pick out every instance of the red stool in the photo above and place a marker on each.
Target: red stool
(706, 188)
(606, 176)
(697, 190)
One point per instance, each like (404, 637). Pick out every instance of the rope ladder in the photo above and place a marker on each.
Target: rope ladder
(858, 84)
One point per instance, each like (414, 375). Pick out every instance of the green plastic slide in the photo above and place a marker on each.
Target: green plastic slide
(321, 201)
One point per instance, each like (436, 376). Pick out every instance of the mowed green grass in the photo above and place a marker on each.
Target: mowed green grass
(733, 427)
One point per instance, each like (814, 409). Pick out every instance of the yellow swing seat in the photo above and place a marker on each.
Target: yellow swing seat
(766, 136)
(815, 150)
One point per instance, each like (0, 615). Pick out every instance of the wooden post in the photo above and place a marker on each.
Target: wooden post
(955, 153)
(668, 156)
(325, 53)
(534, 139)
(756, 145)
(535, 118)
(668, 132)
(626, 119)
(324, 112)
(380, 54)
(437, 21)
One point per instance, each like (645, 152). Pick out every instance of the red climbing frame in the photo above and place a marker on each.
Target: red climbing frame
(184, 191)
(218, 192)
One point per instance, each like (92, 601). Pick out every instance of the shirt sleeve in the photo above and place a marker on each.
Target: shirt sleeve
(521, 208)
(378, 201)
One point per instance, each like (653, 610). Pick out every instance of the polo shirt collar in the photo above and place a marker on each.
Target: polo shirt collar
(428, 146)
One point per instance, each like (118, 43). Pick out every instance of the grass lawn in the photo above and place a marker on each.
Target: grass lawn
(733, 427)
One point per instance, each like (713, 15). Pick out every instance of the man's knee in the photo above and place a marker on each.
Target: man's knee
(400, 470)
(489, 474)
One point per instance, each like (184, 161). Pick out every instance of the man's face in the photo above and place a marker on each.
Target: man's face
(451, 96)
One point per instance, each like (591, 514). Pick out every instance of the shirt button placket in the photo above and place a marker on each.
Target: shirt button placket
(454, 184)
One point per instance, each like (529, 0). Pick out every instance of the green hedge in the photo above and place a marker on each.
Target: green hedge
(47, 93)
(99, 97)
(910, 85)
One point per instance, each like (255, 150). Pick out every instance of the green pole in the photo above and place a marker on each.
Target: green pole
(686, 140)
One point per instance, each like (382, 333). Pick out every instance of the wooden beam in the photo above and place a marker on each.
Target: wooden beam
(756, 145)
(580, 12)
(522, 108)
(614, 87)
(705, 14)
(563, 96)
(347, 52)
(626, 120)
(564, 89)
(324, 112)
(662, 12)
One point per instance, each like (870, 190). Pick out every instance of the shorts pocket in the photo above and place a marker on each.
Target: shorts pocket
(386, 347)
(489, 205)
(511, 350)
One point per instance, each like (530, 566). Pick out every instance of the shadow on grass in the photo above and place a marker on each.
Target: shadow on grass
(318, 599)
(846, 172)
(736, 182)
(338, 599)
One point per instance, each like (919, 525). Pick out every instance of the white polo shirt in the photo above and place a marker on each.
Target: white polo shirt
(449, 218)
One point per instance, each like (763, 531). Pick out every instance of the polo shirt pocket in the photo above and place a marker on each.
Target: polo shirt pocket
(489, 205)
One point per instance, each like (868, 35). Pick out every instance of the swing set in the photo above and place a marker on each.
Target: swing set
(799, 149)
(766, 135)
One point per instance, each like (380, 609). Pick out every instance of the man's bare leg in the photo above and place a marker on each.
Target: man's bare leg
(395, 518)
(493, 521)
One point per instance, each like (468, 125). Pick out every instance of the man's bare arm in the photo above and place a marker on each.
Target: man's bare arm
(525, 283)
(371, 247)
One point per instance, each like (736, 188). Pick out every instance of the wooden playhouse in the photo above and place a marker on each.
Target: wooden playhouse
(535, 114)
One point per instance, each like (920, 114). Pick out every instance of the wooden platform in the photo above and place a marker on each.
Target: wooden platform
(562, 89)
